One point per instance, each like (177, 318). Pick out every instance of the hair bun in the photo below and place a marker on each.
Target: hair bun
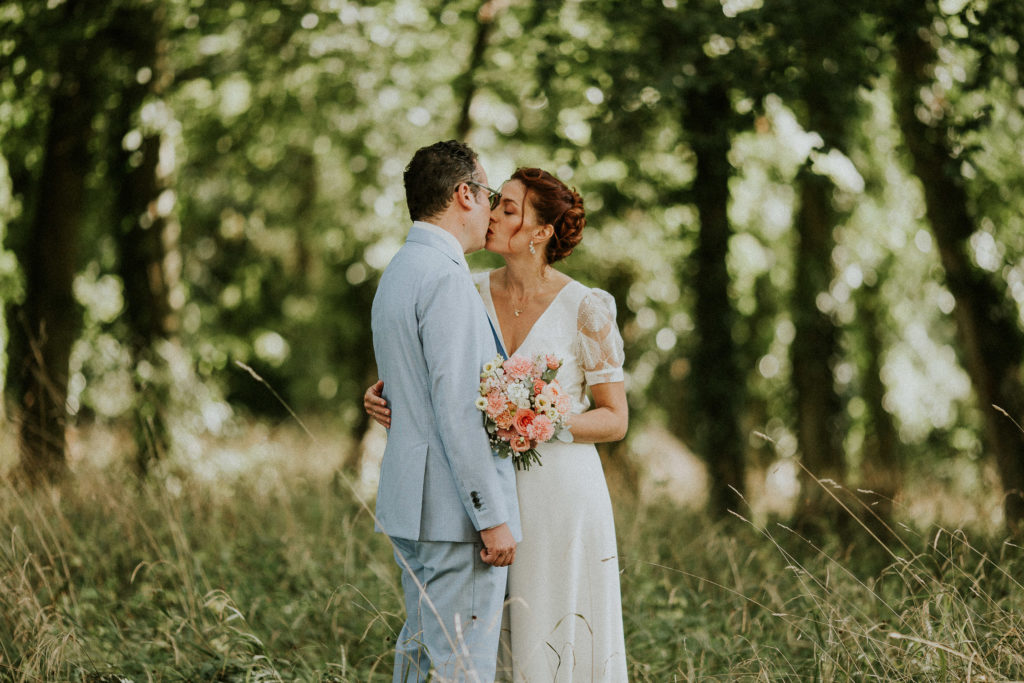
(568, 230)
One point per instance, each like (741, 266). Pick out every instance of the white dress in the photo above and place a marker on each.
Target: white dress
(564, 612)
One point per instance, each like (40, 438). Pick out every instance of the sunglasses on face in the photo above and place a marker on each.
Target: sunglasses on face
(493, 195)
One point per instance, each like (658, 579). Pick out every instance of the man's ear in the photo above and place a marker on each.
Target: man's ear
(464, 196)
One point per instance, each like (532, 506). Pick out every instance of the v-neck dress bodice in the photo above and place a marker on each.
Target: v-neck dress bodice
(579, 327)
(564, 614)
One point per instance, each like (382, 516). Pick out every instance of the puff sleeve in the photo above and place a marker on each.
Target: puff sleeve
(599, 343)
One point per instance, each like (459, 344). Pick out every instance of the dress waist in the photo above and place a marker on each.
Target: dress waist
(556, 448)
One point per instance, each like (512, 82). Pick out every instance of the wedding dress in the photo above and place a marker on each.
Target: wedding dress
(564, 612)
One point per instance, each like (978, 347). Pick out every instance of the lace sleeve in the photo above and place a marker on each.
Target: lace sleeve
(600, 344)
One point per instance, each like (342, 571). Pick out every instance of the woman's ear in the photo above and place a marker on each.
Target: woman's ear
(544, 233)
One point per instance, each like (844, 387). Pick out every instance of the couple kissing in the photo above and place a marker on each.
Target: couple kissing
(509, 571)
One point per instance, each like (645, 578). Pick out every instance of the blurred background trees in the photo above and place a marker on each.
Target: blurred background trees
(810, 216)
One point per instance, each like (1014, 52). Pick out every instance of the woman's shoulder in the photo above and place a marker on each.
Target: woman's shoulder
(595, 308)
(585, 294)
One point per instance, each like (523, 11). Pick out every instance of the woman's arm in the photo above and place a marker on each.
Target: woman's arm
(375, 405)
(607, 420)
(601, 357)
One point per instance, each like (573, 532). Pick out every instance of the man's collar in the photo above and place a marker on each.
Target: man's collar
(450, 240)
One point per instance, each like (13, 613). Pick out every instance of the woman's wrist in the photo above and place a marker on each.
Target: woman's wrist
(565, 433)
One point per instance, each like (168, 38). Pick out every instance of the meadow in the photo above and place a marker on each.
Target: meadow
(257, 562)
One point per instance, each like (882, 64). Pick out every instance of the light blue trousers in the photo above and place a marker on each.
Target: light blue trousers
(453, 603)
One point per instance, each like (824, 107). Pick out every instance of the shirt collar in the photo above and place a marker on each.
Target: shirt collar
(447, 236)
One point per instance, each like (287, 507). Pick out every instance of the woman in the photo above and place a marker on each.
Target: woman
(564, 607)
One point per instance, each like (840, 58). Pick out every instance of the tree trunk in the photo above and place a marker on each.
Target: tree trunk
(49, 316)
(881, 466)
(466, 83)
(814, 347)
(992, 344)
(137, 37)
(717, 384)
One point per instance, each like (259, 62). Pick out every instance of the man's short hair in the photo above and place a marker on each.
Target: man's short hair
(434, 173)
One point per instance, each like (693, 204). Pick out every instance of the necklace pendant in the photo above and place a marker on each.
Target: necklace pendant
(516, 311)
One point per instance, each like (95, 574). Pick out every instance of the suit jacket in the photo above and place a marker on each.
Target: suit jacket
(439, 479)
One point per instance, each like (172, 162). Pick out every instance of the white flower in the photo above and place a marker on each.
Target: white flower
(542, 402)
(519, 394)
(489, 367)
(481, 403)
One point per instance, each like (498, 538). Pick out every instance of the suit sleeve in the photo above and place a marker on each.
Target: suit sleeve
(450, 316)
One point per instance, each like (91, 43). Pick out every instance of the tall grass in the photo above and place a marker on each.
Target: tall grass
(269, 575)
(735, 602)
(274, 574)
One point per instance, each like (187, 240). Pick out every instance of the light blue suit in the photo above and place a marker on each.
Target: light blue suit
(440, 484)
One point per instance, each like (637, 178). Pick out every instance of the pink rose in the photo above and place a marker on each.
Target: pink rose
(504, 419)
(523, 420)
(552, 362)
(496, 404)
(538, 386)
(520, 444)
(506, 434)
(517, 367)
(542, 429)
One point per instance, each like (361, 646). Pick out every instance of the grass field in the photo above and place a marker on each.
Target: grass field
(265, 568)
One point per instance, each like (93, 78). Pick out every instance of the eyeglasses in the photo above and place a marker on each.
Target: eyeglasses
(493, 195)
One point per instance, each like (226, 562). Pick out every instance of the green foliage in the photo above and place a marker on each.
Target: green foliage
(285, 126)
(10, 274)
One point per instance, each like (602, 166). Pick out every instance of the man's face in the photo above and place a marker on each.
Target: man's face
(480, 217)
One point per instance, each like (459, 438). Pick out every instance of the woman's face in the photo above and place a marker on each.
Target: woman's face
(513, 221)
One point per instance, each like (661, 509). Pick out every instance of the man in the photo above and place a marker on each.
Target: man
(447, 502)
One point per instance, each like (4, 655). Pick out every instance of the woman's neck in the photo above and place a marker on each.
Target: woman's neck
(526, 276)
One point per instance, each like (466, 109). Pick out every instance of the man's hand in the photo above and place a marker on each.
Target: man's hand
(375, 405)
(499, 546)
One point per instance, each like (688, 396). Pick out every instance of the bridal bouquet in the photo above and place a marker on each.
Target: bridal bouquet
(523, 405)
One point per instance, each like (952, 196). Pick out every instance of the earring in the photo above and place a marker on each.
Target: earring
(532, 250)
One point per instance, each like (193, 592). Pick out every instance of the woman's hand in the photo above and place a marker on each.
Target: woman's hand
(375, 405)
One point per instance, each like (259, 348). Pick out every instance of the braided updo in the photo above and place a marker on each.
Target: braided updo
(556, 205)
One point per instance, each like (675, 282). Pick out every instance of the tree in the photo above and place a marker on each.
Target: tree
(49, 316)
(717, 385)
(466, 83)
(818, 74)
(138, 58)
(881, 464)
(992, 343)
